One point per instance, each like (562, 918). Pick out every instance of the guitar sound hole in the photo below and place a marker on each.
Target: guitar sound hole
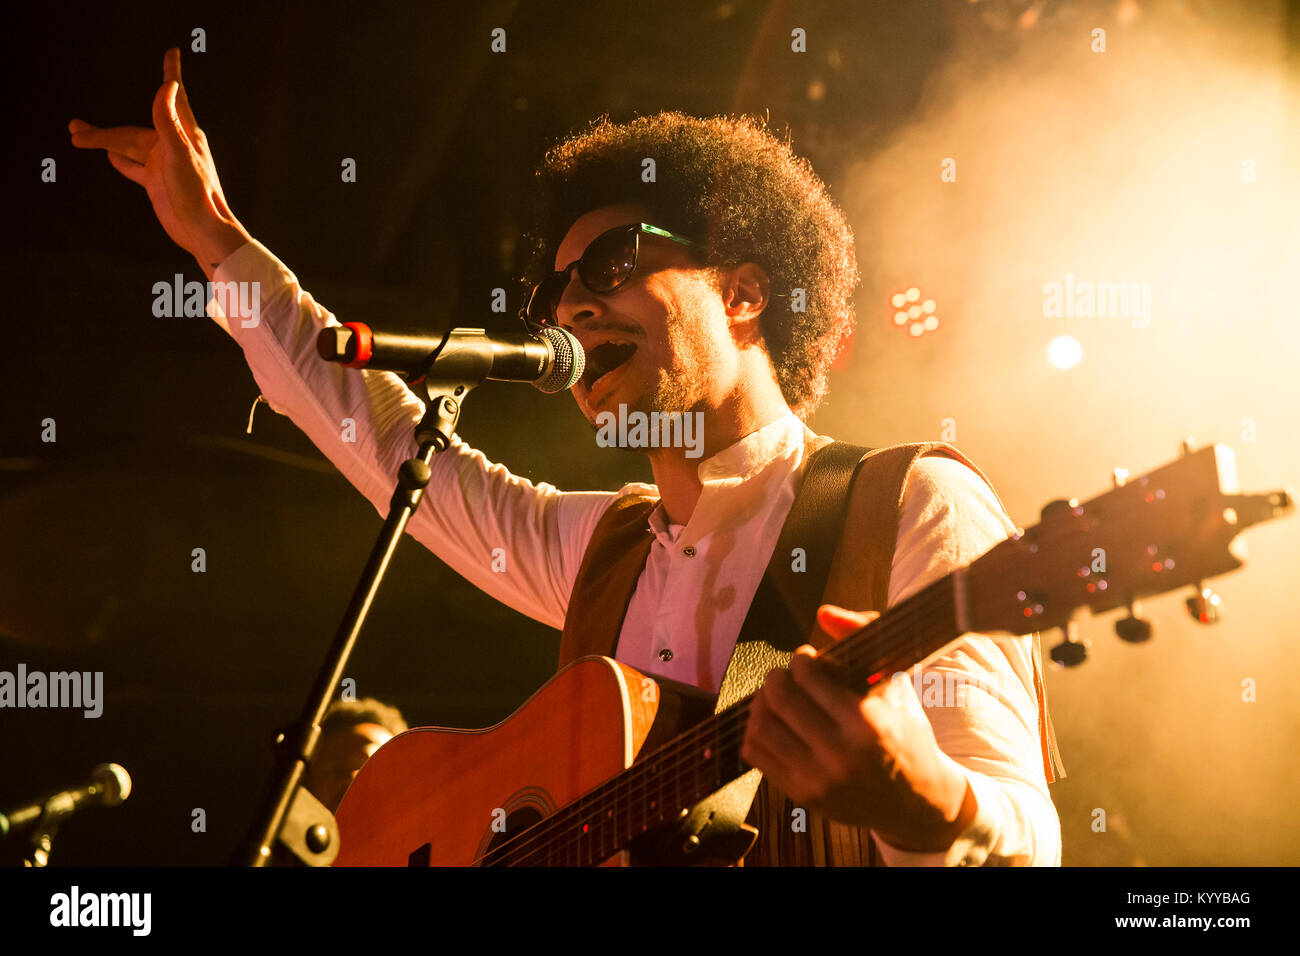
(516, 823)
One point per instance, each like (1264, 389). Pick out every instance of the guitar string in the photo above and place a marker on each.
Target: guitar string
(720, 732)
(610, 835)
(730, 729)
(726, 729)
(885, 653)
(688, 785)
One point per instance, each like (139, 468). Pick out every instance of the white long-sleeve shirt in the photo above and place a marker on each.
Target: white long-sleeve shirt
(523, 543)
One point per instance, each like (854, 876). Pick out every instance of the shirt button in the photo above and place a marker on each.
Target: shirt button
(689, 550)
(665, 655)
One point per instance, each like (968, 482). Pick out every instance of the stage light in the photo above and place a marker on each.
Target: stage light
(919, 316)
(1064, 351)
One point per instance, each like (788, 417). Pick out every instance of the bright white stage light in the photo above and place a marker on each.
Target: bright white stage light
(1064, 351)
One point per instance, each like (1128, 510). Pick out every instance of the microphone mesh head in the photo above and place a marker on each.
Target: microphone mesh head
(570, 360)
(114, 781)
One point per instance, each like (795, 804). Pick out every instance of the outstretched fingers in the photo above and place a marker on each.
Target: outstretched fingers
(133, 142)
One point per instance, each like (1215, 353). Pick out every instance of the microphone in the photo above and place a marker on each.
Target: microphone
(110, 785)
(552, 360)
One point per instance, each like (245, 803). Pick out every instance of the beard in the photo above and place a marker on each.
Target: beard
(682, 386)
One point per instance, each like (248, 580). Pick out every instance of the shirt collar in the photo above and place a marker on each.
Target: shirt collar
(755, 451)
(741, 461)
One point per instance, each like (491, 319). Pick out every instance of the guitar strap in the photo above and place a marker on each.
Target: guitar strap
(782, 616)
(784, 610)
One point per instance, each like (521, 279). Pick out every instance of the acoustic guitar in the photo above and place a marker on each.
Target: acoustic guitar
(578, 776)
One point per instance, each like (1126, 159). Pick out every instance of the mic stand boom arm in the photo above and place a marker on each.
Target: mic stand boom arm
(289, 814)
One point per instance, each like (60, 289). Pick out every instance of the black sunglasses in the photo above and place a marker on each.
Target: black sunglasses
(606, 264)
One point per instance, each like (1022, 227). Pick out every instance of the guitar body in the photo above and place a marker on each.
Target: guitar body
(439, 797)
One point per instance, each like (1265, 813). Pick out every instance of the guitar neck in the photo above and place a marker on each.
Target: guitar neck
(687, 769)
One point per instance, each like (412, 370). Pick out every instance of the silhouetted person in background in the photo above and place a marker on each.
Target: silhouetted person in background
(351, 732)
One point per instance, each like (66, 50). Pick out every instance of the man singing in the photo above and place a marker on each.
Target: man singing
(680, 292)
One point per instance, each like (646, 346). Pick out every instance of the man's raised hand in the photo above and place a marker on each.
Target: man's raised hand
(172, 162)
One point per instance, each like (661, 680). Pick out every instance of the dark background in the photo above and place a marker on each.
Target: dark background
(151, 459)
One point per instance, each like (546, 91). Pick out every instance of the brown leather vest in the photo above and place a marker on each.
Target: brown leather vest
(859, 579)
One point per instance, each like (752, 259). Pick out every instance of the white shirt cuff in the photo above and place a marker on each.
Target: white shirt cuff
(241, 284)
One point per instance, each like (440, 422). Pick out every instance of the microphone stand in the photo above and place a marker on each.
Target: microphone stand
(289, 816)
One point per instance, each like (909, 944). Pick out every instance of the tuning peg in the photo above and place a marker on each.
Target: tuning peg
(1058, 508)
(1119, 477)
(1070, 652)
(1203, 606)
(1188, 445)
(1133, 629)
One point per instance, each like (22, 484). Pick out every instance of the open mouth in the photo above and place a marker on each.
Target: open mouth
(603, 359)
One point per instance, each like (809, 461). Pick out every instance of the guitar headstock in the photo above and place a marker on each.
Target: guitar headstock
(1173, 527)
